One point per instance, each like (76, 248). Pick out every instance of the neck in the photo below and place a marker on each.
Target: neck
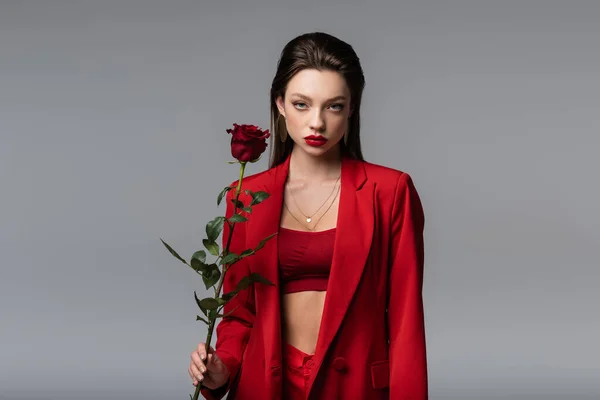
(310, 168)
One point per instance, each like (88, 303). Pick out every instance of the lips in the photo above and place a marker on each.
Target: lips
(315, 140)
(316, 137)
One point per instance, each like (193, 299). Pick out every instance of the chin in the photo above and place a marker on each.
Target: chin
(318, 151)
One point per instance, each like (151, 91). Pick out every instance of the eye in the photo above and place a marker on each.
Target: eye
(341, 106)
(299, 103)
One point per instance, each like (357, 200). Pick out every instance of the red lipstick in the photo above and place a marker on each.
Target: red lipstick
(315, 140)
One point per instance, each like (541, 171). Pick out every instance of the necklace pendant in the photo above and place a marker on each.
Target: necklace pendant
(309, 220)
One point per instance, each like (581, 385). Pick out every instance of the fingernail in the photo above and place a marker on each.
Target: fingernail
(199, 377)
(202, 356)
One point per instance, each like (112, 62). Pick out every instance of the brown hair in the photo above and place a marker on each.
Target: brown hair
(321, 51)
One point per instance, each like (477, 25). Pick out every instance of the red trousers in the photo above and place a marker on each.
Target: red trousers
(298, 367)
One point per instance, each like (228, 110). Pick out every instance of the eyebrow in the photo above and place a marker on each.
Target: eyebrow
(340, 97)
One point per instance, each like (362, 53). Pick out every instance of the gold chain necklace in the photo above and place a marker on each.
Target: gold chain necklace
(309, 217)
(319, 220)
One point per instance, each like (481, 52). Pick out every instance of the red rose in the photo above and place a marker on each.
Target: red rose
(248, 142)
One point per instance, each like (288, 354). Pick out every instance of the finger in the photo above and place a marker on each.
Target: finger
(202, 350)
(197, 365)
(194, 380)
(193, 376)
(196, 375)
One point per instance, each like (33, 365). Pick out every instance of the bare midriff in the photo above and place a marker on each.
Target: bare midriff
(301, 319)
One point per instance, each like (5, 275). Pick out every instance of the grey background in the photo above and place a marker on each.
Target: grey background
(112, 135)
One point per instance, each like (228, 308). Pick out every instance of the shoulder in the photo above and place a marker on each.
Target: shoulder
(396, 188)
(387, 178)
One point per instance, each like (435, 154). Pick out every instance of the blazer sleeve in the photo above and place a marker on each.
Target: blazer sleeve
(407, 352)
(233, 330)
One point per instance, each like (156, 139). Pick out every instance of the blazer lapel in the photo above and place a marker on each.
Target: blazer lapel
(354, 234)
(268, 303)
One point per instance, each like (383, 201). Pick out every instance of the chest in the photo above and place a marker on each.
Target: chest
(310, 208)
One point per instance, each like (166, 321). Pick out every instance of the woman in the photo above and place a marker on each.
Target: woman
(344, 319)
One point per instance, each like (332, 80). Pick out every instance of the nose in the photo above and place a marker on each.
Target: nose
(317, 123)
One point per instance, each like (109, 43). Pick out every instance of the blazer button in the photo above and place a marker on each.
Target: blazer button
(340, 364)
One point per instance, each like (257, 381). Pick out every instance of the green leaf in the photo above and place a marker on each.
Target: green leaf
(259, 197)
(212, 247)
(204, 310)
(253, 161)
(247, 253)
(264, 241)
(247, 209)
(173, 252)
(228, 296)
(232, 162)
(198, 265)
(220, 301)
(237, 203)
(238, 218)
(212, 314)
(198, 261)
(243, 284)
(214, 228)
(256, 277)
(209, 303)
(211, 276)
(229, 258)
(222, 194)
(200, 255)
(199, 318)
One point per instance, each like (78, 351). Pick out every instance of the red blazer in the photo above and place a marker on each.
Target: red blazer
(371, 342)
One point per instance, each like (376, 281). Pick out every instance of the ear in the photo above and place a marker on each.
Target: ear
(279, 101)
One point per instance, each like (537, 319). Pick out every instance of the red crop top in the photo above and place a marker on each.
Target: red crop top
(305, 259)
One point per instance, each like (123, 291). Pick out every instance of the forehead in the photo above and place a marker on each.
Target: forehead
(318, 85)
